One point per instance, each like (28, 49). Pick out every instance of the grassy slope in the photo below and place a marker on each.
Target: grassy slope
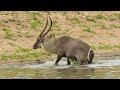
(19, 30)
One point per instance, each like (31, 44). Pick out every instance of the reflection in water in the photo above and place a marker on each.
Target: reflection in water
(25, 73)
(101, 69)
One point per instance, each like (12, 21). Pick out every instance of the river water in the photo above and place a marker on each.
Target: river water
(101, 68)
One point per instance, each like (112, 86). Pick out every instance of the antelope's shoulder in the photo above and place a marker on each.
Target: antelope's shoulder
(65, 38)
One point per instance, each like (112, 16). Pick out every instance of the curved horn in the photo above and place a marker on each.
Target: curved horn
(49, 28)
(43, 29)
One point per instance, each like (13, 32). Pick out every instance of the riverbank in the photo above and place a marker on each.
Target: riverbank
(19, 30)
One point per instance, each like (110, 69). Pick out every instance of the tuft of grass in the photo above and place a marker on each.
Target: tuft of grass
(48, 12)
(115, 26)
(64, 12)
(28, 35)
(100, 16)
(94, 46)
(4, 56)
(101, 25)
(88, 29)
(18, 22)
(8, 33)
(12, 44)
(19, 34)
(34, 13)
(12, 20)
(117, 15)
(35, 23)
(117, 46)
(74, 20)
(92, 19)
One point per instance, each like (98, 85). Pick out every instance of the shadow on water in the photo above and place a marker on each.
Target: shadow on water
(101, 68)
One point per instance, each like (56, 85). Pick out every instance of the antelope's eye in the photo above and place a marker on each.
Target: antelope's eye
(39, 40)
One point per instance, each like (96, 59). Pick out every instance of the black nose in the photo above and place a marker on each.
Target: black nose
(34, 47)
(89, 62)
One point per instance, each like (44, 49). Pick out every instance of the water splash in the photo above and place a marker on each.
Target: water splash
(63, 65)
(104, 63)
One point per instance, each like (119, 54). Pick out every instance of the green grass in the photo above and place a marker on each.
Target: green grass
(34, 13)
(100, 16)
(64, 12)
(28, 35)
(24, 54)
(92, 19)
(117, 15)
(88, 29)
(19, 56)
(12, 44)
(101, 47)
(12, 20)
(19, 34)
(117, 46)
(74, 20)
(20, 49)
(94, 46)
(48, 12)
(104, 47)
(8, 33)
(101, 25)
(18, 22)
(35, 23)
(115, 26)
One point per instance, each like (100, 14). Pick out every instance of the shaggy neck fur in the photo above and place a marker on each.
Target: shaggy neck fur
(48, 45)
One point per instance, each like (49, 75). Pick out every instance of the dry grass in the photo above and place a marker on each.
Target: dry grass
(19, 29)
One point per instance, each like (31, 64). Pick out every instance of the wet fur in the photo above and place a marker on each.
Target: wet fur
(68, 47)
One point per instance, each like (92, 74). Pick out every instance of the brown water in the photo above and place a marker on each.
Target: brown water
(102, 68)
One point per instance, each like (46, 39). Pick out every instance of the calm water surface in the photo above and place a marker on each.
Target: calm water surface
(101, 68)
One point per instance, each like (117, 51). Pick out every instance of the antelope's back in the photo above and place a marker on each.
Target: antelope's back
(67, 43)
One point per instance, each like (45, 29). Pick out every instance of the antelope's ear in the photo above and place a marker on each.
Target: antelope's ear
(50, 36)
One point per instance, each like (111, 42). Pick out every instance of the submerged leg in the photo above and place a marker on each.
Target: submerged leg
(68, 61)
(58, 59)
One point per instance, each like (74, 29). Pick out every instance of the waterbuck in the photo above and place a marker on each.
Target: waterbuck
(65, 46)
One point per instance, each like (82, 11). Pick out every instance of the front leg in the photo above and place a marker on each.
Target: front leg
(58, 59)
(68, 61)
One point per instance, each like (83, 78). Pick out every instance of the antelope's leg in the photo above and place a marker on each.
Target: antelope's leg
(58, 59)
(68, 61)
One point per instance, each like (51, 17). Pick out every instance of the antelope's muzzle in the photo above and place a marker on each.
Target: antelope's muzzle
(34, 47)
(89, 62)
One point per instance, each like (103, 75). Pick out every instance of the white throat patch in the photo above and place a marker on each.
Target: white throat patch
(42, 46)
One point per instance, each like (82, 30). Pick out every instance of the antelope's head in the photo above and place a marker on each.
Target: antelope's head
(40, 39)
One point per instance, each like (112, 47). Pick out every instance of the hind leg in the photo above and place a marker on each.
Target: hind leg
(58, 59)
